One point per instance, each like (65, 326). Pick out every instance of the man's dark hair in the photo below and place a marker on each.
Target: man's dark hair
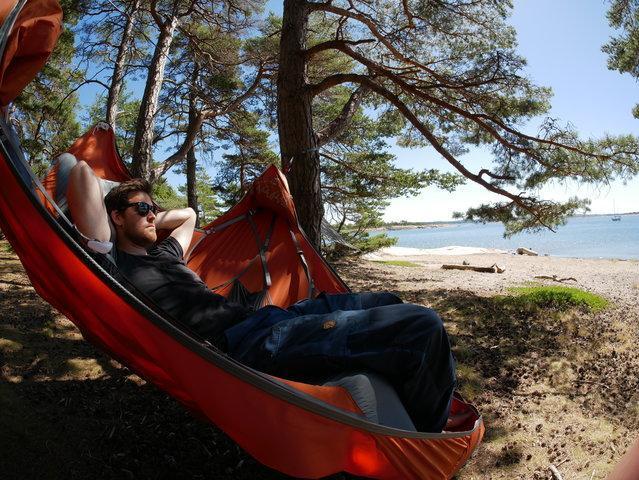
(118, 198)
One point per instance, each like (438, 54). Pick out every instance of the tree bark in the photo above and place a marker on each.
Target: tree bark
(243, 187)
(191, 183)
(143, 145)
(117, 79)
(191, 160)
(298, 142)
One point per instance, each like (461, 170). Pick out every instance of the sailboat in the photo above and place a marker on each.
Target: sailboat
(615, 216)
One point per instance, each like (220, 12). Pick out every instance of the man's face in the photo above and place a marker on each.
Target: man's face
(136, 228)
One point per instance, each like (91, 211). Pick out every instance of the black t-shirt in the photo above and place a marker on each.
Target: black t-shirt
(164, 277)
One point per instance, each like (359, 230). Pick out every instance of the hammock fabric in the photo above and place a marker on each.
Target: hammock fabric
(302, 430)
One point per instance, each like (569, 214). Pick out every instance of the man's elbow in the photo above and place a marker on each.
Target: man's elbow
(190, 215)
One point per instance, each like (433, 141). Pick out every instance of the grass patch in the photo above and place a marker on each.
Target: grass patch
(559, 297)
(470, 381)
(398, 263)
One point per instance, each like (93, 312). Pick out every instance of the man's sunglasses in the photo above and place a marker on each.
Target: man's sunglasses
(142, 208)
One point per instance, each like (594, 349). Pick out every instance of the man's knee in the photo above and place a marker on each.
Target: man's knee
(426, 326)
(66, 161)
(82, 168)
(84, 180)
(427, 316)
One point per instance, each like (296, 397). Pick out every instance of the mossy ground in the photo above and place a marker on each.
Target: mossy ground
(557, 296)
(398, 263)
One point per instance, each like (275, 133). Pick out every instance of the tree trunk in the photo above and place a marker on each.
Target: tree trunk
(143, 145)
(298, 142)
(191, 183)
(242, 179)
(191, 160)
(117, 79)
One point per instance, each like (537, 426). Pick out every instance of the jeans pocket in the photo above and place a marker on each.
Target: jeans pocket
(321, 335)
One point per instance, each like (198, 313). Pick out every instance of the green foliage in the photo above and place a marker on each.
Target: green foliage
(5, 246)
(206, 197)
(128, 109)
(447, 75)
(517, 219)
(166, 196)
(251, 154)
(366, 243)
(623, 49)
(558, 297)
(398, 263)
(359, 175)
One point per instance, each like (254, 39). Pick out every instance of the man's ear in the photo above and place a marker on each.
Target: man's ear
(116, 218)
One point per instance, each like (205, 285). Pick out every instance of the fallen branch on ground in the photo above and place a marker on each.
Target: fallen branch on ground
(590, 382)
(555, 473)
(555, 278)
(492, 269)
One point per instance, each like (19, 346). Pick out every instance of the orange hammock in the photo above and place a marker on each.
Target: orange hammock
(302, 430)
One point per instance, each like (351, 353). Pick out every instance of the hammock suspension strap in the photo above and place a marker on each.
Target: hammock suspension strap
(307, 270)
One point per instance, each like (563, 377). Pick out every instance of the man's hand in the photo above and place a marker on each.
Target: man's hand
(181, 221)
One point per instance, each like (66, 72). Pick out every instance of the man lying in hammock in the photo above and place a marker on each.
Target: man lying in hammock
(405, 343)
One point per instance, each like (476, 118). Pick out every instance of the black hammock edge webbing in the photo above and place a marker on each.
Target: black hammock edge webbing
(8, 24)
(261, 247)
(307, 270)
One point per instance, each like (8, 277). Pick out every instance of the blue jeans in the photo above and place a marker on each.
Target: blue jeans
(314, 339)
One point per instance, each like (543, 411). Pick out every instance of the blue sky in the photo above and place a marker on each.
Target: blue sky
(562, 41)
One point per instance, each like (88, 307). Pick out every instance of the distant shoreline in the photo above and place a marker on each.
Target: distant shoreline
(413, 226)
(427, 254)
(454, 223)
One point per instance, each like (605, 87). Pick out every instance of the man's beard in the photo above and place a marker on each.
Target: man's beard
(144, 239)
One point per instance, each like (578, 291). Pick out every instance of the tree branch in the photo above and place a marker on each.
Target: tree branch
(412, 118)
(309, 53)
(339, 123)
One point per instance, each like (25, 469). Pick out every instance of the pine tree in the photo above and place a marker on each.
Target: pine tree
(451, 73)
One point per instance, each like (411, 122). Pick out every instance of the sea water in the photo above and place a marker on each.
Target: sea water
(581, 237)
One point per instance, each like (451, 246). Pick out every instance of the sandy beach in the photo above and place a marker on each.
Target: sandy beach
(617, 280)
(556, 386)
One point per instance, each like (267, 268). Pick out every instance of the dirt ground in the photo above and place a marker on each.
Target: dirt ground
(556, 386)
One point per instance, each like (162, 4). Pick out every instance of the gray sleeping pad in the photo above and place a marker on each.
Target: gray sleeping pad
(376, 398)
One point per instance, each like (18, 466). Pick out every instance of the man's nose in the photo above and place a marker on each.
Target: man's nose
(150, 216)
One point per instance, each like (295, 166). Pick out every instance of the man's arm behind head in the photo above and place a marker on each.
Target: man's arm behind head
(182, 223)
(85, 200)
